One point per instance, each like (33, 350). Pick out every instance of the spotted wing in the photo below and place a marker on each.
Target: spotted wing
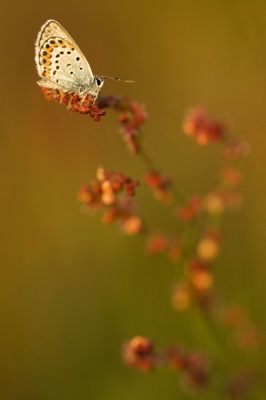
(59, 60)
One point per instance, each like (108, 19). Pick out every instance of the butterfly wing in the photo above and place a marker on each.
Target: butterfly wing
(60, 62)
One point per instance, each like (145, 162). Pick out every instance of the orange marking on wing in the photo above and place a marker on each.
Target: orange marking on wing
(46, 72)
(48, 55)
(64, 44)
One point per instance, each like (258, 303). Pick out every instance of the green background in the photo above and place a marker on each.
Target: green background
(72, 290)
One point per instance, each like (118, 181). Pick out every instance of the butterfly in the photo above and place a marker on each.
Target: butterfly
(61, 64)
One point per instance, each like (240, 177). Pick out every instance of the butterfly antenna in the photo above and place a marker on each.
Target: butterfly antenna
(120, 79)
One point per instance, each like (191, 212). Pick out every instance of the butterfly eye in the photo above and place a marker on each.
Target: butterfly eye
(99, 81)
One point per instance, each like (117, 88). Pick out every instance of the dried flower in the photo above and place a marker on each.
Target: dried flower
(209, 246)
(214, 203)
(190, 211)
(198, 124)
(175, 249)
(236, 149)
(132, 225)
(157, 244)
(196, 373)
(75, 103)
(112, 194)
(138, 353)
(160, 184)
(170, 245)
(200, 275)
(194, 367)
(232, 199)
(181, 296)
(176, 358)
(222, 198)
(232, 177)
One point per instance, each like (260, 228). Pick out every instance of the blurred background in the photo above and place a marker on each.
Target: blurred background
(72, 290)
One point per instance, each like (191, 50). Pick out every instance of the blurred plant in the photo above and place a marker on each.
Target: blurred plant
(194, 247)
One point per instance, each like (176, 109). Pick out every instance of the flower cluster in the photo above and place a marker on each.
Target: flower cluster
(132, 116)
(227, 194)
(198, 124)
(75, 103)
(112, 193)
(194, 367)
(197, 284)
(196, 287)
